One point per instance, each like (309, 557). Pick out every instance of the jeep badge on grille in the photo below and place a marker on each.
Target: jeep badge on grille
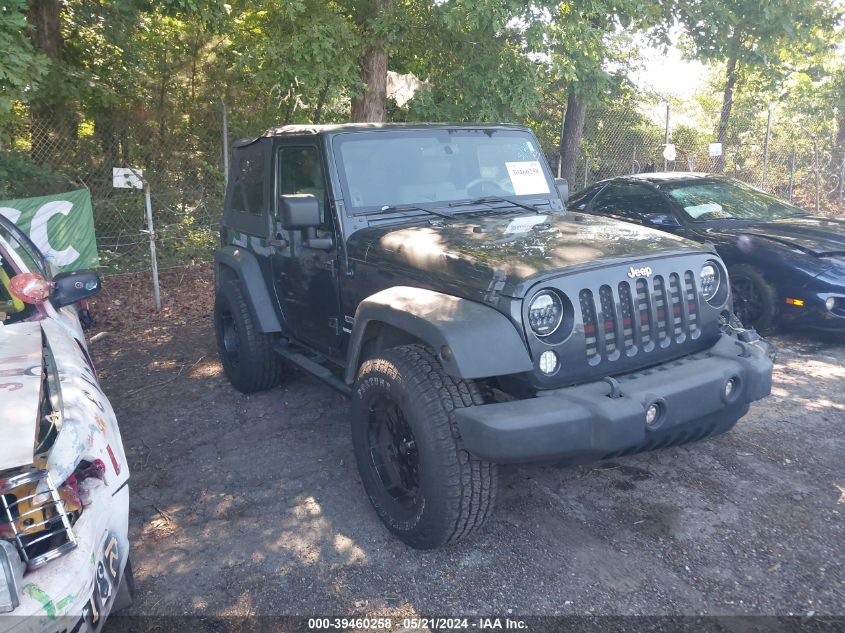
(645, 271)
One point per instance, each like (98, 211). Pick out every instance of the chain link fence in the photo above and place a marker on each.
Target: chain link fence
(182, 157)
(766, 149)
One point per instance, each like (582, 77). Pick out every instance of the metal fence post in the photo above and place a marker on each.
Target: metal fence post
(842, 178)
(154, 259)
(666, 139)
(791, 173)
(816, 173)
(766, 147)
(225, 144)
(586, 170)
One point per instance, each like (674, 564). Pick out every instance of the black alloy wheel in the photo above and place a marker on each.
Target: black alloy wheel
(393, 453)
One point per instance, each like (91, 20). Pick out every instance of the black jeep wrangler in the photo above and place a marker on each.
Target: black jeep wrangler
(432, 273)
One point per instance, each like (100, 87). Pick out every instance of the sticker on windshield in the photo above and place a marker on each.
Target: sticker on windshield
(696, 211)
(525, 224)
(527, 177)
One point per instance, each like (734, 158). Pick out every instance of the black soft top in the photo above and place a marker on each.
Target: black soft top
(318, 130)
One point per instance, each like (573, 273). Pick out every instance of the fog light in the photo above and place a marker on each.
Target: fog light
(729, 387)
(830, 304)
(652, 413)
(548, 362)
(11, 574)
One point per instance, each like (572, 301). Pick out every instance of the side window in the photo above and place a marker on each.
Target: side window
(11, 308)
(300, 171)
(248, 193)
(26, 250)
(581, 199)
(630, 202)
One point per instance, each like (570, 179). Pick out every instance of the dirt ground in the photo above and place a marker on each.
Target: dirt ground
(252, 505)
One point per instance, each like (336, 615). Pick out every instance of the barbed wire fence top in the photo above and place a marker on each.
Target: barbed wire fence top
(181, 154)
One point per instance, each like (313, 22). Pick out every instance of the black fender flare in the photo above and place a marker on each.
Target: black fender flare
(471, 340)
(245, 266)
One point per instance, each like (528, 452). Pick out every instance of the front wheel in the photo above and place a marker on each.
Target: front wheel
(754, 299)
(426, 488)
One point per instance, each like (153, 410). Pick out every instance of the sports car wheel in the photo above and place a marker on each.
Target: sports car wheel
(754, 300)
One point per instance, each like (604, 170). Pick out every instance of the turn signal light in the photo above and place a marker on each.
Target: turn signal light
(795, 302)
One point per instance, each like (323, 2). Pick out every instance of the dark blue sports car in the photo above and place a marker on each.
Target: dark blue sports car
(786, 266)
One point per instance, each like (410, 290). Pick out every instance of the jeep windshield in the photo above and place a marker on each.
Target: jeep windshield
(436, 167)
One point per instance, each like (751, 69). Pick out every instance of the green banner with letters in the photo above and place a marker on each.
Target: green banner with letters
(62, 226)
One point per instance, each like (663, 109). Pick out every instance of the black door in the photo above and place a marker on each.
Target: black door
(305, 278)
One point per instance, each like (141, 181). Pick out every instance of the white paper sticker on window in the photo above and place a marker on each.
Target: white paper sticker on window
(524, 224)
(527, 177)
(696, 211)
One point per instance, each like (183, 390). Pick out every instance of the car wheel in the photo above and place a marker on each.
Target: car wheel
(426, 488)
(125, 589)
(754, 299)
(246, 353)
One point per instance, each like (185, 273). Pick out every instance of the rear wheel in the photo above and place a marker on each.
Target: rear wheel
(426, 488)
(754, 299)
(246, 353)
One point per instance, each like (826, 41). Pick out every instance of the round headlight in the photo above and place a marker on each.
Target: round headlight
(710, 279)
(545, 313)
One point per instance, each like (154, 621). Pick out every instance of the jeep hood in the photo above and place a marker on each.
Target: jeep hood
(505, 252)
(814, 235)
(20, 393)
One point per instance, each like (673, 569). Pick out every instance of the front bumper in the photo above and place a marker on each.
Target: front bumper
(76, 592)
(586, 423)
(813, 314)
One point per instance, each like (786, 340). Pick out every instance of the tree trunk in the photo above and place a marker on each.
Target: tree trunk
(45, 18)
(372, 67)
(725, 115)
(48, 117)
(570, 138)
(321, 103)
(839, 153)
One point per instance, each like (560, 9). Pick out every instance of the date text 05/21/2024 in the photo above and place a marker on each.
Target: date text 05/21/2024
(481, 623)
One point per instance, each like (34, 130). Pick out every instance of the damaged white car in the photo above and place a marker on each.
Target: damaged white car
(64, 499)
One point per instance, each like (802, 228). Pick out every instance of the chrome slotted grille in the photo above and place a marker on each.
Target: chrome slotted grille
(639, 316)
(37, 522)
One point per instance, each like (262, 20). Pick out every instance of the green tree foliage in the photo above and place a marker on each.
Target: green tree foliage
(21, 67)
(588, 40)
(768, 40)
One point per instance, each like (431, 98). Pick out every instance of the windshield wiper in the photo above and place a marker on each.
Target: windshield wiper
(491, 199)
(413, 207)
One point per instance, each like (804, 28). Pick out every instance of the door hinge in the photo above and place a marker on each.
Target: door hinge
(334, 324)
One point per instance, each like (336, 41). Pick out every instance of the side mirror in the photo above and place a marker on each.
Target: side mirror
(70, 287)
(661, 219)
(562, 188)
(299, 211)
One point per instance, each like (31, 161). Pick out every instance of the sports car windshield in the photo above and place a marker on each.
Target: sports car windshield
(433, 167)
(704, 200)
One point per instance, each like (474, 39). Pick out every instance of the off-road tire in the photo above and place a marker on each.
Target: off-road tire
(246, 353)
(744, 275)
(458, 491)
(125, 589)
